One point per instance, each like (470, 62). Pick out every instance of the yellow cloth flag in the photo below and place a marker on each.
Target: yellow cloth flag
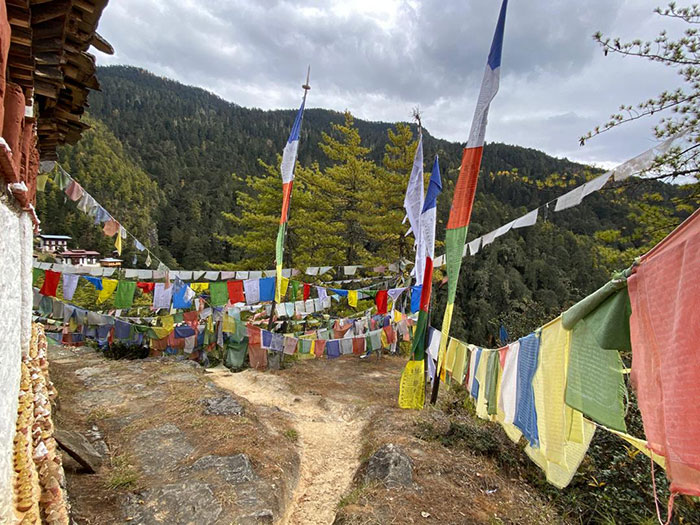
(118, 243)
(284, 284)
(199, 287)
(450, 354)
(564, 433)
(41, 182)
(229, 324)
(398, 316)
(167, 322)
(160, 331)
(481, 401)
(412, 386)
(352, 298)
(446, 322)
(108, 287)
(461, 355)
(642, 446)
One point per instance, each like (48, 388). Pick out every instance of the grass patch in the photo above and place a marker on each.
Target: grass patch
(355, 494)
(123, 474)
(291, 434)
(99, 414)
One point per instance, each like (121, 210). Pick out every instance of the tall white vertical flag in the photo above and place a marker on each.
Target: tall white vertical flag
(413, 202)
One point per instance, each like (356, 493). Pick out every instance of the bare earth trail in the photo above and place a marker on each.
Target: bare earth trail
(329, 439)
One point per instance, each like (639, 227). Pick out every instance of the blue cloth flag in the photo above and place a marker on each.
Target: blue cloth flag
(333, 348)
(95, 281)
(525, 413)
(267, 289)
(475, 383)
(415, 298)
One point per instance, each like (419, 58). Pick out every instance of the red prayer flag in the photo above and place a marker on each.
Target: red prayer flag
(50, 285)
(381, 300)
(146, 287)
(665, 329)
(307, 291)
(235, 292)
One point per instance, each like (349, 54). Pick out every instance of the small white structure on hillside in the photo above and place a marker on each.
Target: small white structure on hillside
(53, 243)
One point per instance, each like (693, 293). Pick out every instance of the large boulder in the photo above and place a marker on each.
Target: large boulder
(187, 502)
(79, 448)
(390, 465)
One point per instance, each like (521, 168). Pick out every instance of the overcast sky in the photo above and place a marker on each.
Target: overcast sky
(381, 58)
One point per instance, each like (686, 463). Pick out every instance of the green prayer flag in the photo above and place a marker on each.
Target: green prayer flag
(595, 383)
(37, 274)
(492, 366)
(219, 293)
(124, 296)
(178, 318)
(295, 288)
(235, 353)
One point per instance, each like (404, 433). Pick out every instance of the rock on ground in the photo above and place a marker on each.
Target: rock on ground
(390, 465)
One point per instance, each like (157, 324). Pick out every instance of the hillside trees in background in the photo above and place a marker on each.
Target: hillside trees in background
(100, 164)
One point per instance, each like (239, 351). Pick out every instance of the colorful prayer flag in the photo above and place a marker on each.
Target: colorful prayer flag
(461, 210)
(289, 158)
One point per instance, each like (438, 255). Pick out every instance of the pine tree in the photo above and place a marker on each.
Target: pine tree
(345, 189)
(388, 195)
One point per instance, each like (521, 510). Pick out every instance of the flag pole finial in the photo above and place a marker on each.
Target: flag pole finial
(415, 113)
(306, 85)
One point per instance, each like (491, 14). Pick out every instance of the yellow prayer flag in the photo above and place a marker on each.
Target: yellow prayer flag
(118, 243)
(563, 432)
(412, 386)
(199, 287)
(108, 287)
(352, 298)
(167, 322)
(284, 284)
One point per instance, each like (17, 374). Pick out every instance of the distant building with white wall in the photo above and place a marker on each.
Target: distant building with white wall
(53, 243)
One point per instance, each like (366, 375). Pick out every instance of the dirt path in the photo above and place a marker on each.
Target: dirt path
(328, 437)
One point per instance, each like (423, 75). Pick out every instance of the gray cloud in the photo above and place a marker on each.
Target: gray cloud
(380, 59)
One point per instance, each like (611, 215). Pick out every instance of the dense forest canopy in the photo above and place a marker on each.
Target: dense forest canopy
(196, 177)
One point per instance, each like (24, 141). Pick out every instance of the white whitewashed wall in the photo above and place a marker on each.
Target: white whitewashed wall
(15, 333)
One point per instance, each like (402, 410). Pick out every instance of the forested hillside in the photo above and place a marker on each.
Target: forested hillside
(213, 202)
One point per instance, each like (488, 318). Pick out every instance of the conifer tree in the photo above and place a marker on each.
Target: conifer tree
(388, 195)
(344, 188)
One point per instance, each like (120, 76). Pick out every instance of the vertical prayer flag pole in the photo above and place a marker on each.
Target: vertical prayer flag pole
(413, 378)
(289, 158)
(461, 210)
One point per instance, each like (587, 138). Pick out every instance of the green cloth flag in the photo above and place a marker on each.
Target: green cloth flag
(219, 293)
(595, 383)
(295, 288)
(124, 296)
(236, 352)
(36, 275)
(492, 366)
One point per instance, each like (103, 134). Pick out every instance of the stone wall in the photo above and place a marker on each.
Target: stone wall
(15, 333)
